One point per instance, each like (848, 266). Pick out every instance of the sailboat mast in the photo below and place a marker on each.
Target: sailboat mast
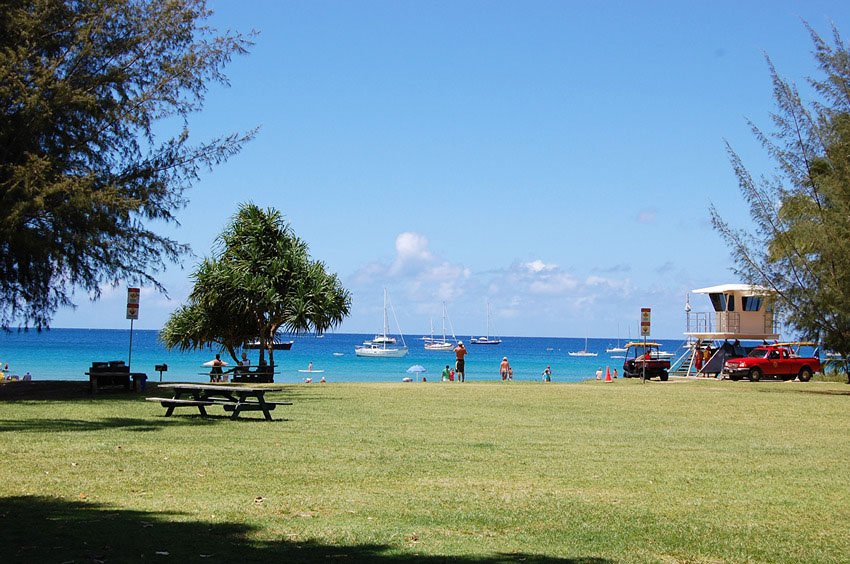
(444, 322)
(386, 320)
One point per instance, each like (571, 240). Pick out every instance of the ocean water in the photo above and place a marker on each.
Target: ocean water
(66, 354)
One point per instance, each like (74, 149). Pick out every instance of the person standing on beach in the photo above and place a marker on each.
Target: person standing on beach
(460, 368)
(445, 374)
(215, 371)
(706, 356)
(547, 374)
(599, 373)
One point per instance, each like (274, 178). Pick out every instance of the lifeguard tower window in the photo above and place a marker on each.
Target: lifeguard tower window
(724, 302)
(751, 303)
(718, 301)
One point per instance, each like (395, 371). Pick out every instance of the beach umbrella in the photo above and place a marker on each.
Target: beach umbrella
(417, 369)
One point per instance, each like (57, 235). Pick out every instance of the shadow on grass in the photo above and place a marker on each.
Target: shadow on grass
(51, 390)
(126, 423)
(41, 529)
(826, 392)
(802, 388)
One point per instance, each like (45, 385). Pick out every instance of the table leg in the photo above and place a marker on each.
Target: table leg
(261, 400)
(170, 409)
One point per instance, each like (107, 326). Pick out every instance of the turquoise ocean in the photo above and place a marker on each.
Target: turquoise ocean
(66, 354)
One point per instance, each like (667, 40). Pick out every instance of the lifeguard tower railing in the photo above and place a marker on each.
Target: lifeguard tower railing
(724, 322)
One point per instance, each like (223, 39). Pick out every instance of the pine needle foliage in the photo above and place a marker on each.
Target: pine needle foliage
(87, 88)
(799, 243)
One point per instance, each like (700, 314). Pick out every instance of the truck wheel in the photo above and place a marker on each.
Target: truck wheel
(805, 374)
(755, 375)
(663, 376)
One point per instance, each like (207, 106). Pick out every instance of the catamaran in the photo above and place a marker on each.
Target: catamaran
(381, 346)
(486, 340)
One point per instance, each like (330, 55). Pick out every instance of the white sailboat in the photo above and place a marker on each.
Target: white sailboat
(585, 352)
(436, 344)
(381, 346)
(486, 340)
(618, 348)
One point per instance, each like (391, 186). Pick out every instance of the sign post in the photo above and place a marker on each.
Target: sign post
(132, 315)
(645, 323)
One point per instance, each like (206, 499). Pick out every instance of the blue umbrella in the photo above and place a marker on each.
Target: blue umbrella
(417, 368)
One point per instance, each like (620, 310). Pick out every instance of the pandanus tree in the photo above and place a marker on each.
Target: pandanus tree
(260, 282)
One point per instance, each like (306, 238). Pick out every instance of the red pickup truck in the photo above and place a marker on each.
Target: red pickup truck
(777, 361)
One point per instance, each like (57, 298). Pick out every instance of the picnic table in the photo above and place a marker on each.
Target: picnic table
(261, 375)
(233, 398)
(114, 373)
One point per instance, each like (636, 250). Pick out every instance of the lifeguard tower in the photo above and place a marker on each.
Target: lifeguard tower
(740, 312)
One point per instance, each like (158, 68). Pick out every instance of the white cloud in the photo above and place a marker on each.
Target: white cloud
(424, 277)
(412, 253)
(647, 216)
(539, 266)
(612, 283)
(554, 285)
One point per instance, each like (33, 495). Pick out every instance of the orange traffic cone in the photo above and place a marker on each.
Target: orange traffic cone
(608, 374)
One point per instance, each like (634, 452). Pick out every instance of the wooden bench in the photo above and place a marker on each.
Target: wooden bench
(171, 403)
(251, 405)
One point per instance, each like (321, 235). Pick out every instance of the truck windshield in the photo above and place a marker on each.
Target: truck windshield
(758, 353)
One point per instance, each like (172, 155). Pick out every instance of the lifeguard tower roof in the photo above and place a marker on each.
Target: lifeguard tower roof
(736, 288)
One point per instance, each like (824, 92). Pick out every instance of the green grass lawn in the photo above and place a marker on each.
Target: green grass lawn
(682, 471)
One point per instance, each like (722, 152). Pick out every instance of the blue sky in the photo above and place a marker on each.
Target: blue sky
(555, 158)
